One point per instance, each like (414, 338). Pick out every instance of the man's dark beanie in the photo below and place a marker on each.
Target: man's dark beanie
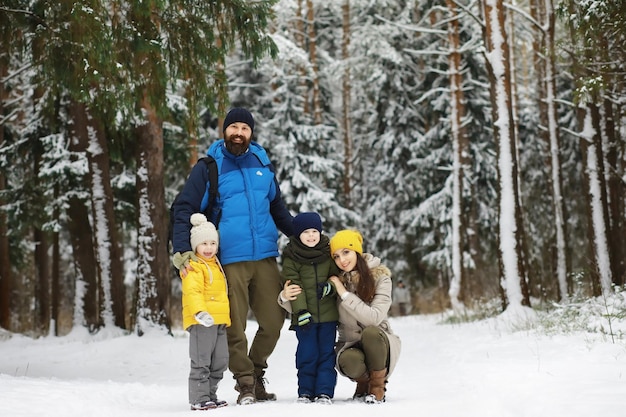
(238, 114)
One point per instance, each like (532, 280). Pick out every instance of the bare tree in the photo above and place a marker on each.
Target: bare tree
(510, 218)
(5, 259)
(596, 196)
(543, 18)
(597, 34)
(300, 41)
(5, 262)
(312, 42)
(460, 160)
(615, 192)
(345, 105)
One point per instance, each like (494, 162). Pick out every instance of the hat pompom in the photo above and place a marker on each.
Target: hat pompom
(197, 219)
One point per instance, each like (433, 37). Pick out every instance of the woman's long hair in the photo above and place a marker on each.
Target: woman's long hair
(366, 289)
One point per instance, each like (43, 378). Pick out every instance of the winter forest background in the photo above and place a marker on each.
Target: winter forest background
(478, 145)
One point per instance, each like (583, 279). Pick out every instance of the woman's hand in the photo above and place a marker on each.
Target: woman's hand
(341, 289)
(290, 291)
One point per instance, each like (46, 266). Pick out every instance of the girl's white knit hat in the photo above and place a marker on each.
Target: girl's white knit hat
(202, 230)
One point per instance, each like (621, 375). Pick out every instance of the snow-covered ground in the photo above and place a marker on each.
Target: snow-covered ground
(480, 369)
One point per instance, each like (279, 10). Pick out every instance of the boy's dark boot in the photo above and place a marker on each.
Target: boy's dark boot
(245, 386)
(362, 386)
(259, 389)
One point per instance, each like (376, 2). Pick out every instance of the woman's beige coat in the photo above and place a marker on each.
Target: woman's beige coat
(355, 314)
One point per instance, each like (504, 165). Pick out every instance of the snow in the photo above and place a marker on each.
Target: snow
(480, 369)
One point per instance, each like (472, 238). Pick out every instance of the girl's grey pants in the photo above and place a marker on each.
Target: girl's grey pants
(208, 352)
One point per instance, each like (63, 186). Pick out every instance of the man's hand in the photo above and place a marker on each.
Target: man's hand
(290, 291)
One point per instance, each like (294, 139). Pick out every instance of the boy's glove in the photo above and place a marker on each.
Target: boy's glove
(205, 319)
(324, 289)
(181, 260)
(304, 318)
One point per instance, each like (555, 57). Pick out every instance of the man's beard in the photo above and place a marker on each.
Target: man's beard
(237, 148)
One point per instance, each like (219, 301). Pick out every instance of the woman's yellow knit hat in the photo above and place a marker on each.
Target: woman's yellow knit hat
(349, 239)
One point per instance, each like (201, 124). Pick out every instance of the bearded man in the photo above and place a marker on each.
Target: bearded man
(248, 211)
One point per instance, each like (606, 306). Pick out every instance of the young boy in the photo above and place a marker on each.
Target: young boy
(307, 263)
(206, 314)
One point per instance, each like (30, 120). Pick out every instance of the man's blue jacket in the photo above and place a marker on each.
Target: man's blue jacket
(248, 207)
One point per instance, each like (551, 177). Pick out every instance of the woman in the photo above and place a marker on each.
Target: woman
(367, 349)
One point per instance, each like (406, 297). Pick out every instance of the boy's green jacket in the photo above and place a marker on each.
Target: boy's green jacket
(310, 268)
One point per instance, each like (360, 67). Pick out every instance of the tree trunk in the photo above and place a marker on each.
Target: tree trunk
(615, 192)
(81, 232)
(316, 101)
(510, 219)
(460, 161)
(107, 245)
(555, 151)
(42, 259)
(5, 265)
(597, 198)
(153, 265)
(5, 259)
(543, 11)
(299, 28)
(345, 107)
(42, 262)
(6, 277)
(86, 310)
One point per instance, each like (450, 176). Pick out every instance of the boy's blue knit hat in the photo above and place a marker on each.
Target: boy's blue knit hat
(238, 114)
(307, 220)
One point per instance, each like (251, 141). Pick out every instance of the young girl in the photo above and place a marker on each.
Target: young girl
(206, 314)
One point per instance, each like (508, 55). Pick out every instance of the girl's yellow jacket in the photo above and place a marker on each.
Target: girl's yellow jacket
(205, 289)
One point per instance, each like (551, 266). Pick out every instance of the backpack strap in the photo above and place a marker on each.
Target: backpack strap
(212, 191)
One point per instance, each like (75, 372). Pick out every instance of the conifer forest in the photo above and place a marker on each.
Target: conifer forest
(478, 145)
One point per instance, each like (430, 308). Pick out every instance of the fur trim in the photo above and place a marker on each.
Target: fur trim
(378, 269)
(380, 272)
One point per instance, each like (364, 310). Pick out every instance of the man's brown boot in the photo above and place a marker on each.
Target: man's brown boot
(362, 386)
(245, 386)
(259, 389)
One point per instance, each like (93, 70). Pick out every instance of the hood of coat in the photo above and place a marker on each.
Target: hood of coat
(378, 269)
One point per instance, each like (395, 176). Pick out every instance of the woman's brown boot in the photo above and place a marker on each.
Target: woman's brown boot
(362, 386)
(377, 387)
